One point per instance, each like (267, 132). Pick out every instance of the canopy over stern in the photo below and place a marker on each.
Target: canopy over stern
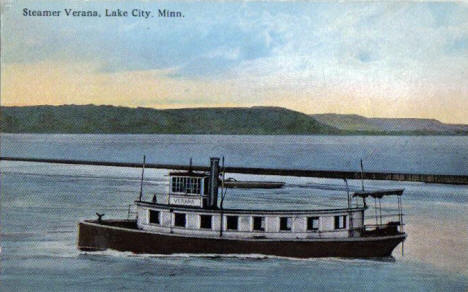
(379, 194)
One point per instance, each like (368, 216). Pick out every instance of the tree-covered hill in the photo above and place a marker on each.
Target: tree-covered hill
(111, 119)
(413, 126)
(106, 119)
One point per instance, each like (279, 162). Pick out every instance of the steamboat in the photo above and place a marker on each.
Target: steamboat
(190, 219)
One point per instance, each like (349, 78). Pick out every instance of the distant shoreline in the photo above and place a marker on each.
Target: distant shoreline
(272, 135)
(92, 119)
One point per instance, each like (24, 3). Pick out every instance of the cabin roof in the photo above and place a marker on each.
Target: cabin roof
(189, 173)
(380, 193)
(284, 212)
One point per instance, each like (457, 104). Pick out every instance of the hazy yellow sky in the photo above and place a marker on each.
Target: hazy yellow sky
(371, 59)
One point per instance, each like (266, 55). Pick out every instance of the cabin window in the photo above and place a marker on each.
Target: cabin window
(153, 217)
(205, 221)
(232, 222)
(175, 184)
(285, 223)
(189, 185)
(340, 222)
(193, 186)
(259, 223)
(179, 219)
(312, 223)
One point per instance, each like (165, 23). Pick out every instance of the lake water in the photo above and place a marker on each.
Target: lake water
(42, 203)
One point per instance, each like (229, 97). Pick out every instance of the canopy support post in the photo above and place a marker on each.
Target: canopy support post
(380, 210)
(401, 214)
(223, 194)
(375, 209)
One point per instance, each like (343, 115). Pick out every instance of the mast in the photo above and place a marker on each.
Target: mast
(362, 176)
(347, 191)
(350, 214)
(142, 177)
(362, 184)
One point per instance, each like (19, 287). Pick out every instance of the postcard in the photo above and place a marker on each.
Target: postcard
(234, 145)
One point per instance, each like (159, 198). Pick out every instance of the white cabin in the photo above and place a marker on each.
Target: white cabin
(190, 208)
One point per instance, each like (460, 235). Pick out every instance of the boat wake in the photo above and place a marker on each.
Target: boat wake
(115, 253)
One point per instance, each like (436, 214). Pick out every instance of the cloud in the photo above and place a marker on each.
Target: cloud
(137, 45)
(369, 58)
(241, 33)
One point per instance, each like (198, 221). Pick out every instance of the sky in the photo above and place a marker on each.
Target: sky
(377, 59)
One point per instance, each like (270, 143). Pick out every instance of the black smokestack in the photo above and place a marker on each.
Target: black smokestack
(214, 175)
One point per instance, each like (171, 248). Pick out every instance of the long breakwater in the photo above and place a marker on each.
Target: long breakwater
(337, 174)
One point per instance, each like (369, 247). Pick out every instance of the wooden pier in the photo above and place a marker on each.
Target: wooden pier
(415, 177)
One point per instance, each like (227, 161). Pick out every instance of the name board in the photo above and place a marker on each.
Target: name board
(195, 202)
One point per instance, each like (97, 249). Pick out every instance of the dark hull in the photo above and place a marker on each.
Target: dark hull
(123, 236)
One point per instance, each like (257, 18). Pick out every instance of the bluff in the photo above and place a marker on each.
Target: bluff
(112, 120)
(390, 126)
